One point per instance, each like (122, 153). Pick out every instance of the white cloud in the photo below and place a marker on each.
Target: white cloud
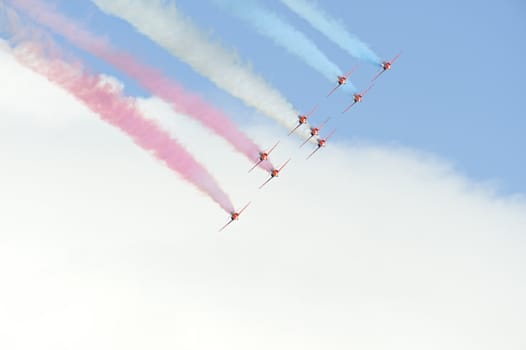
(35, 109)
(362, 246)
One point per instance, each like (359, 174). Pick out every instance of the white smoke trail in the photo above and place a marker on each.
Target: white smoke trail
(168, 27)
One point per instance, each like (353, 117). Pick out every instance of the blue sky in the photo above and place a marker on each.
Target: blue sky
(455, 91)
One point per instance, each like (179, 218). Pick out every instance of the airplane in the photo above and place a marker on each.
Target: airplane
(302, 119)
(314, 131)
(386, 65)
(263, 156)
(342, 80)
(234, 216)
(358, 98)
(274, 173)
(322, 143)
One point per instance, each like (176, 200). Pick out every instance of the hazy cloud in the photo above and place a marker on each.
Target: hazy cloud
(363, 246)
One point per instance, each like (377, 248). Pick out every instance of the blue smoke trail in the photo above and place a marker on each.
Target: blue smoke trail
(332, 29)
(283, 34)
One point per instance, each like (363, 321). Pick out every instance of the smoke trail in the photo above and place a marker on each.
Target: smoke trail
(163, 23)
(333, 29)
(152, 79)
(283, 34)
(105, 99)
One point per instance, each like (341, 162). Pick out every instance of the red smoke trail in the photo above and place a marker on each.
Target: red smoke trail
(107, 101)
(150, 78)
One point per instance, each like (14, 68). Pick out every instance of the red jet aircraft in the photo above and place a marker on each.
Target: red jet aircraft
(321, 143)
(386, 65)
(358, 98)
(302, 119)
(263, 156)
(342, 80)
(314, 131)
(234, 216)
(274, 173)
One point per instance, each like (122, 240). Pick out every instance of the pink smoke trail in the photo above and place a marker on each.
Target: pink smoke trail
(107, 101)
(153, 80)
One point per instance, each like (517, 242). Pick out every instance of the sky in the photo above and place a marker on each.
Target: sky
(455, 92)
(405, 232)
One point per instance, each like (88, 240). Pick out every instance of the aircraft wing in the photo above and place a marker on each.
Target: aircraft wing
(228, 223)
(346, 109)
(330, 135)
(350, 72)
(242, 210)
(284, 165)
(272, 148)
(266, 182)
(367, 90)
(255, 166)
(378, 75)
(297, 126)
(396, 57)
(336, 88)
(316, 150)
(307, 140)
